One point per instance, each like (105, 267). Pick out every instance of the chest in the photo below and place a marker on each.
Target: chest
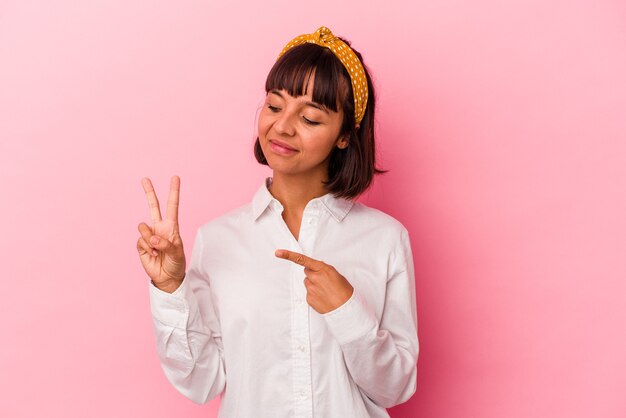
(256, 292)
(293, 224)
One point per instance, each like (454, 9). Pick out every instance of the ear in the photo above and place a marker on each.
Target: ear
(344, 141)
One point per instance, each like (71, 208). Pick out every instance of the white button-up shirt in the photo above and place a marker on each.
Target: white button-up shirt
(239, 325)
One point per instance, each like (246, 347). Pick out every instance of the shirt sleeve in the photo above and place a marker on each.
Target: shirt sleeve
(382, 357)
(188, 336)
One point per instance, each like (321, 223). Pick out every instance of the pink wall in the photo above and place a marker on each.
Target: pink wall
(503, 124)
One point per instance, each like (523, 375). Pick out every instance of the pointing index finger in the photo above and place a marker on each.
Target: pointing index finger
(301, 259)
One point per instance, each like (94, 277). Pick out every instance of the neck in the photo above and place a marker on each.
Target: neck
(295, 191)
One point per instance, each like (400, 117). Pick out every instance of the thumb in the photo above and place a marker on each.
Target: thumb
(160, 243)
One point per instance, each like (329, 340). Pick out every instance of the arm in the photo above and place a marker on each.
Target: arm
(188, 336)
(382, 357)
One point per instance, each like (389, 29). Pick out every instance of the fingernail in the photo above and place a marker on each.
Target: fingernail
(154, 240)
(154, 253)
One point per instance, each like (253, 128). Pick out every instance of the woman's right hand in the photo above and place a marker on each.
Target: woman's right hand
(160, 246)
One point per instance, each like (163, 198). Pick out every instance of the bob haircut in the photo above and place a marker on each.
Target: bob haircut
(350, 170)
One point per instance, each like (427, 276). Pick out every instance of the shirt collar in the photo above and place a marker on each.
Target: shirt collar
(337, 206)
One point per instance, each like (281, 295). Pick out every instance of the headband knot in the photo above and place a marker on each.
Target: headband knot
(322, 35)
(325, 38)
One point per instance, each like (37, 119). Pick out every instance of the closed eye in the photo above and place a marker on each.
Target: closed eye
(310, 122)
(275, 109)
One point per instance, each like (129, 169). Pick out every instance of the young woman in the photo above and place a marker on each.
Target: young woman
(300, 303)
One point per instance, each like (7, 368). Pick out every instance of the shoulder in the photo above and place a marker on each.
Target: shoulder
(375, 228)
(373, 218)
(386, 232)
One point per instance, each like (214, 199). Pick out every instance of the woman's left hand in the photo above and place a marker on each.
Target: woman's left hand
(326, 288)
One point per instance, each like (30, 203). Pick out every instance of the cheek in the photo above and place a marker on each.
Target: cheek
(263, 125)
(318, 145)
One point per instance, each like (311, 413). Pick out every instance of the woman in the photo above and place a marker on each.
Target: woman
(300, 303)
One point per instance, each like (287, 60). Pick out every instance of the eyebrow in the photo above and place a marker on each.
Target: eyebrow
(312, 104)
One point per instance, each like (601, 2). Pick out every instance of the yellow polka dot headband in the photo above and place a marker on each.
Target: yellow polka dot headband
(324, 37)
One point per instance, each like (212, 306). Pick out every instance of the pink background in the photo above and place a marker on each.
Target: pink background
(503, 124)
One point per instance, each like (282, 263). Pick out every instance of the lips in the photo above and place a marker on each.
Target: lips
(282, 144)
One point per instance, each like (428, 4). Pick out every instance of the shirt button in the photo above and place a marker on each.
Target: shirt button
(311, 220)
(301, 348)
(302, 394)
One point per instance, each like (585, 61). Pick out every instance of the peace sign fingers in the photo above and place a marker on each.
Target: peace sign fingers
(172, 200)
(153, 202)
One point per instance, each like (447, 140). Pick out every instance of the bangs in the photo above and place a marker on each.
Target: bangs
(292, 71)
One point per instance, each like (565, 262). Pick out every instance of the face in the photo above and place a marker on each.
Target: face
(308, 128)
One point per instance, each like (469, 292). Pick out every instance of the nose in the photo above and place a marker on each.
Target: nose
(284, 123)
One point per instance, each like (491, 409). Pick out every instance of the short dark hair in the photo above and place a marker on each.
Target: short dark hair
(350, 170)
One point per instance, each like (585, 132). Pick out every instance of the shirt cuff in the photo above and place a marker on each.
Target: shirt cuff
(352, 320)
(170, 308)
